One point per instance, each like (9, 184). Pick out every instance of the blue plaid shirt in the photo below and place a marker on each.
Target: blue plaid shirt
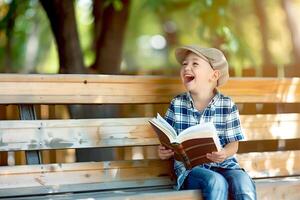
(221, 110)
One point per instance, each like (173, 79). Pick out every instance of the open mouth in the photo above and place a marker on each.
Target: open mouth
(188, 78)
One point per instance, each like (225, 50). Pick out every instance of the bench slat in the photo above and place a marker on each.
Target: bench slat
(87, 133)
(82, 166)
(98, 89)
(278, 188)
(105, 172)
(128, 194)
(271, 164)
(269, 145)
(147, 183)
(259, 165)
(73, 176)
(55, 134)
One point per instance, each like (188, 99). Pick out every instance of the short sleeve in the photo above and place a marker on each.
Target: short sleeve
(233, 126)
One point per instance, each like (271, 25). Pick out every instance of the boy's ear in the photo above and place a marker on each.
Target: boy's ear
(216, 75)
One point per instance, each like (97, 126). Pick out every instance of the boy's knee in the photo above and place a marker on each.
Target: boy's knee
(246, 191)
(217, 182)
(243, 187)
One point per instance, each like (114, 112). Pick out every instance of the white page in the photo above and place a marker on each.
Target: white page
(166, 125)
(163, 128)
(203, 130)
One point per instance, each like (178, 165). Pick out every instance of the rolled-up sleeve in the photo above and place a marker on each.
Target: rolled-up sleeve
(233, 126)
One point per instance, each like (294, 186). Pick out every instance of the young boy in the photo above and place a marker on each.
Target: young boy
(202, 71)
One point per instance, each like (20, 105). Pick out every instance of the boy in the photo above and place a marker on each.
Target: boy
(202, 70)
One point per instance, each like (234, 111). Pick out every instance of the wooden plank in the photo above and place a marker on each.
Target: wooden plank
(145, 194)
(2, 112)
(269, 145)
(278, 188)
(249, 72)
(12, 112)
(59, 134)
(86, 78)
(147, 183)
(3, 158)
(259, 165)
(103, 175)
(87, 133)
(87, 89)
(270, 164)
(97, 89)
(82, 166)
(266, 90)
(271, 126)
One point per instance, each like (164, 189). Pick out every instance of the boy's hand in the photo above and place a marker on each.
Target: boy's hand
(229, 150)
(217, 156)
(164, 153)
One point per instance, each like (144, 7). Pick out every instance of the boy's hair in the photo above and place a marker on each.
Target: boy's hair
(213, 56)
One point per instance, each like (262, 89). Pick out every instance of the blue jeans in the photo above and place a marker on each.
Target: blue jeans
(219, 183)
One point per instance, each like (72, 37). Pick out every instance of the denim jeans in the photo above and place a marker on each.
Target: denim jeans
(221, 184)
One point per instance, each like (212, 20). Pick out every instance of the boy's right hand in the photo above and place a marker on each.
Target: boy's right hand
(164, 153)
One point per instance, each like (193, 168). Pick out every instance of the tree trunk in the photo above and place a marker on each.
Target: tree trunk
(110, 26)
(63, 23)
(8, 47)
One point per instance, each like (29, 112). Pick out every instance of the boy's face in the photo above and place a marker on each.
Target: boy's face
(196, 73)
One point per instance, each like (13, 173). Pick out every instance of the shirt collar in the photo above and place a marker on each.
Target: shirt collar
(211, 103)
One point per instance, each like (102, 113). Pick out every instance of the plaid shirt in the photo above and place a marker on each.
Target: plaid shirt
(221, 110)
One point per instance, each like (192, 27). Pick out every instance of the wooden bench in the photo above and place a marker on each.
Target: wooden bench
(270, 154)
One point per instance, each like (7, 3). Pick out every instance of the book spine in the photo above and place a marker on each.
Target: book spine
(179, 148)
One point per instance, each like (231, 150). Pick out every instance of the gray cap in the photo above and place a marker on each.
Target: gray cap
(213, 56)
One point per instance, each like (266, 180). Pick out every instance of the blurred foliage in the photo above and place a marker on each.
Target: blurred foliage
(30, 28)
(155, 28)
(207, 23)
(85, 22)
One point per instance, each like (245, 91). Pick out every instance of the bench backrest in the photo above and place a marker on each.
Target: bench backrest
(276, 135)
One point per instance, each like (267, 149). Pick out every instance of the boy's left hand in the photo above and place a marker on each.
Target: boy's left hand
(217, 156)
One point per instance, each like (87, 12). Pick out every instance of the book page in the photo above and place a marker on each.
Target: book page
(166, 125)
(164, 130)
(203, 130)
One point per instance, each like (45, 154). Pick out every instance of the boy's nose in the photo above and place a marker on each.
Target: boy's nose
(187, 66)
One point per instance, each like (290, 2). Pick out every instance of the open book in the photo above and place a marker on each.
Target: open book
(192, 144)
